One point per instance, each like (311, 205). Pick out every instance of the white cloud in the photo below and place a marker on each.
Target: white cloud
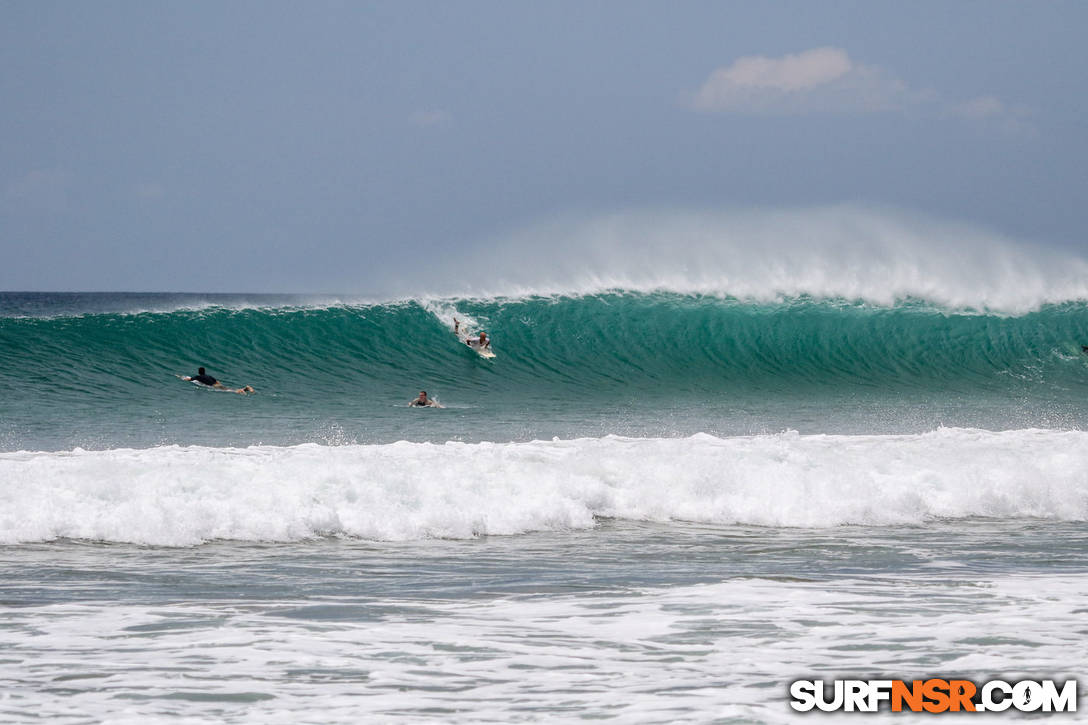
(994, 112)
(430, 118)
(819, 80)
(788, 73)
(828, 80)
(988, 109)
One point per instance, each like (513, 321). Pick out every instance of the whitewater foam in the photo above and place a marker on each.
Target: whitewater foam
(174, 496)
(658, 655)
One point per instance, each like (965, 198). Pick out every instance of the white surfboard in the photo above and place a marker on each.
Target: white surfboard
(481, 351)
(468, 338)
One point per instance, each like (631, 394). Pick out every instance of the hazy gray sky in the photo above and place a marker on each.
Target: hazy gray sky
(354, 147)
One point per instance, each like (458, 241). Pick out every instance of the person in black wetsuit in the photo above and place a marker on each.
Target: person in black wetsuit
(423, 401)
(204, 379)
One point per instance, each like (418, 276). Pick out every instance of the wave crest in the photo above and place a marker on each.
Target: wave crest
(851, 252)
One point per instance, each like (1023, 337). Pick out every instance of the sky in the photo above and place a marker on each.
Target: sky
(361, 147)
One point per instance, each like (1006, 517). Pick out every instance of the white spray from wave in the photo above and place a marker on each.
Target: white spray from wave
(850, 252)
(183, 496)
(465, 324)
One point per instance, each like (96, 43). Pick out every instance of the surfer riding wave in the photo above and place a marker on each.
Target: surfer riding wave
(480, 343)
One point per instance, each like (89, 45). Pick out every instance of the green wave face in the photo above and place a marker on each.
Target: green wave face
(595, 364)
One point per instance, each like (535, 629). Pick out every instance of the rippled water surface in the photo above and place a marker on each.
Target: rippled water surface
(645, 622)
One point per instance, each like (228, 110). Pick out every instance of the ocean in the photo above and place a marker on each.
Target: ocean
(650, 506)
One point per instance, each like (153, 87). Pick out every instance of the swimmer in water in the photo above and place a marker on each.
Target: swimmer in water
(204, 379)
(424, 402)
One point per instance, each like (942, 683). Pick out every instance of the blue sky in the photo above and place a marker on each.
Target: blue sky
(356, 147)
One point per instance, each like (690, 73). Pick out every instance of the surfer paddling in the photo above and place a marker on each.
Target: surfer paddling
(207, 380)
(424, 402)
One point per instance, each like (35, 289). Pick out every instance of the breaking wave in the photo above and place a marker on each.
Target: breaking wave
(182, 496)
